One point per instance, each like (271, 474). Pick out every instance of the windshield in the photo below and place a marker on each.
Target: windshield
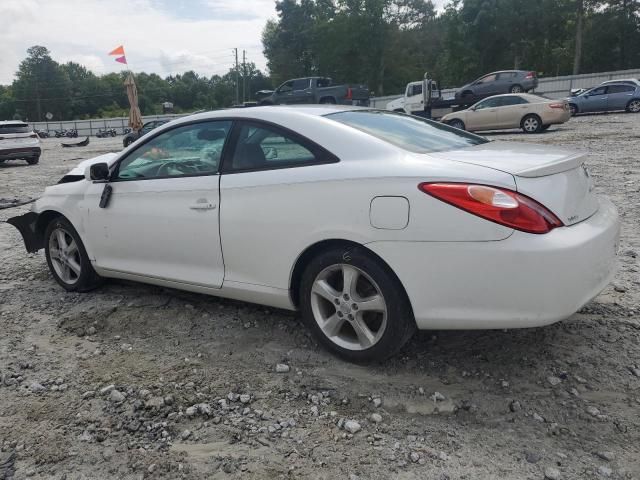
(408, 132)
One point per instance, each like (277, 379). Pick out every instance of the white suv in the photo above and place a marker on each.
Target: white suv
(19, 141)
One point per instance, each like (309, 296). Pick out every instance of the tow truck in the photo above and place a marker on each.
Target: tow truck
(423, 98)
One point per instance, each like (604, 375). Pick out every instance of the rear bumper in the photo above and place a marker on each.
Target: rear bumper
(22, 152)
(556, 116)
(523, 281)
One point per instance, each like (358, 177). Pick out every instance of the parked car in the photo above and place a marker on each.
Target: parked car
(371, 223)
(316, 90)
(628, 81)
(134, 135)
(18, 141)
(496, 83)
(531, 113)
(607, 98)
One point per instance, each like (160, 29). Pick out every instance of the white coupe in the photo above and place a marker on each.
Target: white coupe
(371, 223)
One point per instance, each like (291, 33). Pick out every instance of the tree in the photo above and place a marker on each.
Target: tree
(41, 86)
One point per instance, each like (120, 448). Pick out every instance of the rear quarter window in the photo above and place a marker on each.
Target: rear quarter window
(408, 132)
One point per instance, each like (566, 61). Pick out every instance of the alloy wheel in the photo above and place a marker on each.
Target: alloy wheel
(516, 89)
(349, 307)
(634, 106)
(65, 256)
(531, 124)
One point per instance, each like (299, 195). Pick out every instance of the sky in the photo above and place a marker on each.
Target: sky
(161, 36)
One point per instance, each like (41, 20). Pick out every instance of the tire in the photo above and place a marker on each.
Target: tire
(634, 106)
(33, 160)
(573, 108)
(73, 270)
(328, 101)
(127, 142)
(516, 89)
(385, 326)
(531, 124)
(459, 124)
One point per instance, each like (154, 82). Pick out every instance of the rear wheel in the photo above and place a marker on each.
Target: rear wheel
(531, 124)
(33, 160)
(355, 306)
(459, 124)
(67, 257)
(634, 106)
(516, 89)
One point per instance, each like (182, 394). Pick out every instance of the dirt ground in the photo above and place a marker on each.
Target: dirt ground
(133, 381)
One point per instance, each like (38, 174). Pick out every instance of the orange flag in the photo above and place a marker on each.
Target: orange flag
(117, 51)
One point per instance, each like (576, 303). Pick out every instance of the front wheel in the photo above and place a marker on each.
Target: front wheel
(67, 258)
(634, 106)
(516, 89)
(355, 306)
(33, 160)
(531, 124)
(459, 124)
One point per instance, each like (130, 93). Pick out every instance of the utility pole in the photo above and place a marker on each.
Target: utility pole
(237, 79)
(244, 75)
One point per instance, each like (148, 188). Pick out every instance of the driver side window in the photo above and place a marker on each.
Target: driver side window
(189, 150)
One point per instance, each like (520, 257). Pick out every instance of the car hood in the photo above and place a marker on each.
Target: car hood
(519, 159)
(109, 158)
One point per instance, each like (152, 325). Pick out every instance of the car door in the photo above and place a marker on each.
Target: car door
(594, 100)
(162, 217)
(285, 93)
(483, 115)
(511, 110)
(266, 210)
(485, 86)
(302, 92)
(415, 99)
(619, 95)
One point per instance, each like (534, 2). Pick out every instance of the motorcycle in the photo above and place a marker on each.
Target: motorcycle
(73, 133)
(106, 133)
(60, 133)
(41, 133)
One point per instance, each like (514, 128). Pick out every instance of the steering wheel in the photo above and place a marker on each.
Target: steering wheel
(165, 169)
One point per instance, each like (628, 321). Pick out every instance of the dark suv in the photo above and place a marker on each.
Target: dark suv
(497, 83)
(131, 137)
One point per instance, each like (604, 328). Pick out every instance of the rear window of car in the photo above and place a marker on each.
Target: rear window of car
(15, 128)
(408, 132)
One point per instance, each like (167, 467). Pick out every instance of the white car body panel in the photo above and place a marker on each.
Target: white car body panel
(459, 270)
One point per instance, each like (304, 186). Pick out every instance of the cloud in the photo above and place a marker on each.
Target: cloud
(156, 35)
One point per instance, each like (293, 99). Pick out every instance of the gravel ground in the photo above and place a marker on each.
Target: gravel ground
(134, 381)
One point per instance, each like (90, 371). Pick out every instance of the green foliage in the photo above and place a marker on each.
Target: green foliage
(70, 91)
(387, 43)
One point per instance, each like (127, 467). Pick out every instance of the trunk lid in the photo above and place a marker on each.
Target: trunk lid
(555, 177)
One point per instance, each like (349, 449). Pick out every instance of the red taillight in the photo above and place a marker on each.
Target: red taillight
(531, 75)
(498, 205)
(557, 105)
(349, 94)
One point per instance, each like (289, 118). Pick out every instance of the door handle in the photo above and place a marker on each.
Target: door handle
(202, 205)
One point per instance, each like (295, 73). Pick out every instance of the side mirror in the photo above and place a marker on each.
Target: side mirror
(98, 172)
